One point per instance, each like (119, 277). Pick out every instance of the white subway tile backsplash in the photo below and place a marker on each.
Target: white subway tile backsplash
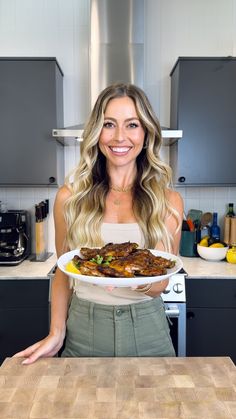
(26, 204)
(191, 203)
(222, 192)
(13, 193)
(3, 194)
(206, 193)
(205, 205)
(27, 193)
(192, 192)
(206, 199)
(232, 195)
(13, 203)
(40, 194)
(51, 195)
(219, 206)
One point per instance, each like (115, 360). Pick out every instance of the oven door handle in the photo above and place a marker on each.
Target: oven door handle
(172, 312)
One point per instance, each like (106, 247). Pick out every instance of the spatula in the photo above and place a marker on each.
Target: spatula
(194, 214)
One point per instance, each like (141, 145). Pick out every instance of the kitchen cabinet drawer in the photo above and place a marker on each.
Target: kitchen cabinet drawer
(31, 105)
(20, 328)
(24, 313)
(203, 102)
(211, 332)
(211, 314)
(30, 293)
(220, 292)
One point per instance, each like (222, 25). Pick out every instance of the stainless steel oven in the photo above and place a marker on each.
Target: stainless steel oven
(174, 298)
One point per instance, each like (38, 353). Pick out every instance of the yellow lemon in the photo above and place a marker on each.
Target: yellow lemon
(70, 267)
(204, 241)
(217, 245)
(231, 255)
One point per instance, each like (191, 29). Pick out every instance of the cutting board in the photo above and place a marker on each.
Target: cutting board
(123, 388)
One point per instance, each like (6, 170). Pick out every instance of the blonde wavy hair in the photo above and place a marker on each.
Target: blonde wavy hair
(85, 208)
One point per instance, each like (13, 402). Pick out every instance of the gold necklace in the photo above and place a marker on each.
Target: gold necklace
(118, 189)
(115, 188)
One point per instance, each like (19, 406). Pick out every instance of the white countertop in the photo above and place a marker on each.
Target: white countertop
(195, 268)
(28, 269)
(200, 268)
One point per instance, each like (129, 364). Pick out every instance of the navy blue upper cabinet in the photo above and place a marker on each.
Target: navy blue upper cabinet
(31, 105)
(203, 105)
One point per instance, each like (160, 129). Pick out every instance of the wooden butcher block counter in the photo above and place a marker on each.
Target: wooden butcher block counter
(123, 388)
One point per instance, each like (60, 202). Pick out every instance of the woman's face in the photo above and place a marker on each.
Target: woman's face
(122, 137)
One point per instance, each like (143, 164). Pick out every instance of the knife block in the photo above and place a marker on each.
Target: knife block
(40, 243)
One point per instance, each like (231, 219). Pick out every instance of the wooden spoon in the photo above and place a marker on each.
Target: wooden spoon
(206, 219)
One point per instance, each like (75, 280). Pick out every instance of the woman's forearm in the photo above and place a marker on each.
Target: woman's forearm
(60, 299)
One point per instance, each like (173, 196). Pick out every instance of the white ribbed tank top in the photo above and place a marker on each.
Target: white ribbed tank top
(115, 233)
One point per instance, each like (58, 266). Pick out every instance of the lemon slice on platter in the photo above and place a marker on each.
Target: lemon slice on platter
(70, 267)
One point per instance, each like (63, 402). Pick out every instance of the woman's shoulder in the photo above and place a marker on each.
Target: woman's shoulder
(174, 198)
(63, 194)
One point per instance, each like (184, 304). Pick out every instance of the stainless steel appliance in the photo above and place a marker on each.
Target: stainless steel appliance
(116, 53)
(174, 298)
(15, 243)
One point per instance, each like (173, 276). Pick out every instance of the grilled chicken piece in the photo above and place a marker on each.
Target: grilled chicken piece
(163, 262)
(110, 249)
(138, 263)
(151, 271)
(132, 263)
(119, 250)
(114, 272)
(89, 268)
(88, 253)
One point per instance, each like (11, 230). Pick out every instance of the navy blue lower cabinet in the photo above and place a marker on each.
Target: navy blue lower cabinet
(211, 317)
(24, 314)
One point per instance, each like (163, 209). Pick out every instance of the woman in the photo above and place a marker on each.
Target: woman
(119, 192)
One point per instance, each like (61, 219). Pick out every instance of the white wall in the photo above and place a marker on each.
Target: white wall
(184, 28)
(173, 28)
(49, 28)
(187, 28)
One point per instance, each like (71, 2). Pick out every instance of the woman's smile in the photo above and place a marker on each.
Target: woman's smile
(120, 151)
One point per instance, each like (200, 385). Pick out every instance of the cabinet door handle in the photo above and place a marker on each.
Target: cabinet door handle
(52, 179)
(190, 315)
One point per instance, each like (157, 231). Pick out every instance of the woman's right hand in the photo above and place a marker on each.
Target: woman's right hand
(46, 347)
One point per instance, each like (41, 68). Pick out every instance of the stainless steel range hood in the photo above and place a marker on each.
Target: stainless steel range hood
(116, 43)
(116, 54)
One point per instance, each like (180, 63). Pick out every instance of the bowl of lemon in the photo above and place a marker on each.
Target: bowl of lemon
(209, 249)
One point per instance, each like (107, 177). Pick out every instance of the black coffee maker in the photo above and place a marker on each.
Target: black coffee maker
(15, 243)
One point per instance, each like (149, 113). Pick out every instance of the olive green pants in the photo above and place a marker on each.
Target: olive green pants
(97, 330)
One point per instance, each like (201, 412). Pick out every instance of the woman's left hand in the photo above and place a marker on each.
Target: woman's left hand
(156, 288)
